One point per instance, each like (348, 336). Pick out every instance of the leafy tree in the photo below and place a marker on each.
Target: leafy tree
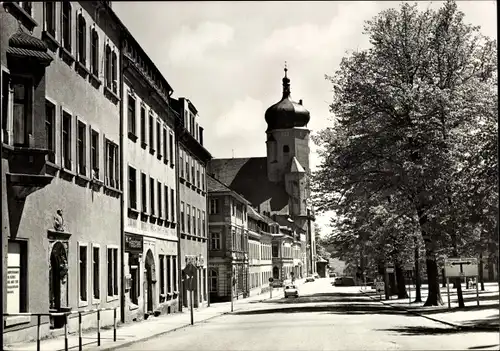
(404, 110)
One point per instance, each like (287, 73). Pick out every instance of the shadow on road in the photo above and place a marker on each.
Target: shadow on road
(482, 347)
(427, 330)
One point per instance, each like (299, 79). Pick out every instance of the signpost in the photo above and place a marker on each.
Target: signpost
(271, 287)
(190, 273)
(380, 287)
(460, 267)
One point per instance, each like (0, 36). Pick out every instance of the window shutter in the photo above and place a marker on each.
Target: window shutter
(61, 139)
(105, 160)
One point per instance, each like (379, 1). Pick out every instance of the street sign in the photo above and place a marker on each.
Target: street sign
(460, 267)
(271, 280)
(379, 287)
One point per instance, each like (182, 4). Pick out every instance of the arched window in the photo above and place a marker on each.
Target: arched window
(276, 273)
(212, 280)
(94, 53)
(286, 149)
(82, 47)
(66, 25)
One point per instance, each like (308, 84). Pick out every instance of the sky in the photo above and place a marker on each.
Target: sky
(228, 58)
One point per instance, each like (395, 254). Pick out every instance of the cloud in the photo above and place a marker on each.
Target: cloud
(246, 116)
(190, 45)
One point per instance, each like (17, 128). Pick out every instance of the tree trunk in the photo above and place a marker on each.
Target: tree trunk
(392, 284)
(443, 277)
(400, 279)
(386, 283)
(418, 294)
(481, 271)
(458, 281)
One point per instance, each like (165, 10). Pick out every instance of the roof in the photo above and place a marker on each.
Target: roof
(248, 176)
(255, 215)
(296, 167)
(216, 186)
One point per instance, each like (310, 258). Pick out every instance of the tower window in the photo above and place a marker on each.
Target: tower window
(286, 149)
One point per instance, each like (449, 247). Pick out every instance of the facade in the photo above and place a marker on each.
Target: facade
(150, 227)
(278, 186)
(192, 158)
(61, 185)
(229, 242)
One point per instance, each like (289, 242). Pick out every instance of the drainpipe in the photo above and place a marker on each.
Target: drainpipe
(122, 200)
(178, 206)
(206, 233)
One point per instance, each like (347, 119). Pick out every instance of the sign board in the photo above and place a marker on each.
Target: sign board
(379, 287)
(271, 279)
(133, 243)
(190, 272)
(13, 277)
(390, 269)
(461, 267)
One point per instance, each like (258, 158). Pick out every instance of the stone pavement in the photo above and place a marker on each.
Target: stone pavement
(127, 334)
(473, 317)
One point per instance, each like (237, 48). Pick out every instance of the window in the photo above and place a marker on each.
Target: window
(159, 199)
(196, 131)
(66, 25)
(165, 144)
(151, 131)
(26, 6)
(152, 195)
(188, 218)
(199, 221)
(50, 18)
(94, 53)
(174, 272)
(143, 124)
(187, 166)
(66, 140)
(96, 272)
(83, 272)
(275, 250)
(214, 206)
(114, 72)
(82, 35)
(50, 122)
(212, 280)
(5, 104)
(81, 149)
(203, 224)
(132, 188)
(94, 154)
(183, 223)
(112, 170)
(193, 179)
(198, 175)
(144, 186)
(172, 207)
(108, 68)
(17, 277)
(171, 148)
(286, 149)
(22, 88)
(162, 276)
(214, 241)
(165, 196)
(202, 178)
(158, 137)
(181, 160)
(112, 272)
(131, 114)
(194, 221)
(169, 274)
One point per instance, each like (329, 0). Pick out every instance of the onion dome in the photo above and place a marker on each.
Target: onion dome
(286, 113)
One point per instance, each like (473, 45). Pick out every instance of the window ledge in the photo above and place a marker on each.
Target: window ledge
(52, 165)
(111, 95)
(172, 165)
(112, 190)
(67, 56)
(158, 156)
(50, 40)
(96, 184)
(165, 161)
(81, 69)
(15, 320)
(26, 19)
(82, 179)
(68, 172)
(132, 136)
(181, 179)
(144, 216)
(133, 213)
(94, 80)
(151, 151)
(96, 301)
(144, 145)
(112, 298)
(82, 303)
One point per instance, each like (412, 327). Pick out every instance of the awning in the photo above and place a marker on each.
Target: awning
(24, 45)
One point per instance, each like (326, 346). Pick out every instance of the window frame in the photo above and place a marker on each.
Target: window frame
(94, 159)
(131, 113)
(114, 274)
(83, 300)
(112, 148)
(132, 195)
(81, 36)
(66, 32)
(94, 298)
(50, 138)
(50, 23)
(94, 52)
(81, 163)
(67, 149)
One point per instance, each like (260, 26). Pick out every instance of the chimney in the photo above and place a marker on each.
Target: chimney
(300, 102)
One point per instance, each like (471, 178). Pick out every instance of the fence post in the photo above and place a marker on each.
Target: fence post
(98, 327)
(79, 331)
(114, 325)
(66, 332)
(38, 333)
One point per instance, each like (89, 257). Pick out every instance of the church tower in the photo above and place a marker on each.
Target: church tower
(288, 147)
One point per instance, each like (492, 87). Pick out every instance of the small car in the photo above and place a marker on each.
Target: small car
(309, 279)
(291, 290)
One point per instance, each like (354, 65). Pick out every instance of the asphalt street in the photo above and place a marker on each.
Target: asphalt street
(322, 318)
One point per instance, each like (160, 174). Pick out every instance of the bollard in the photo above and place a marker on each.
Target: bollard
(98, 327)
(114, 325)
(66, 332)
(80, 331)
(38, 333)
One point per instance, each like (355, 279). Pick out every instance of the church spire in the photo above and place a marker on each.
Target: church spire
(286, 83)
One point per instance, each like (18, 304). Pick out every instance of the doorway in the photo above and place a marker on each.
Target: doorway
(149, 281)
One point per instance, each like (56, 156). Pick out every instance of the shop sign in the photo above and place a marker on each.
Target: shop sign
(133, 243)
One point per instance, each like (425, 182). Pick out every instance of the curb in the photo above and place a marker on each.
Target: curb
(450, 324)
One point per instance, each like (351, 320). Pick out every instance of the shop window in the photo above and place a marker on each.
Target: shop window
(17, 277)
(82, 272)
(112, 272)
(96, 272)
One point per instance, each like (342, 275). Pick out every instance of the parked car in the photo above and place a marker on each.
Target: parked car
(309, 279)
(344, 281)
(332, 274)
(291, 290)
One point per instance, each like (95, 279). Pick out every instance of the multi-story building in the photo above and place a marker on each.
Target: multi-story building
(259, 252)
(228, 237)
(192, 158)
(278, 184)
(61, 185)
(148, 138)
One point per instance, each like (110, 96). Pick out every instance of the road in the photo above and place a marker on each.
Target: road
(322, 318)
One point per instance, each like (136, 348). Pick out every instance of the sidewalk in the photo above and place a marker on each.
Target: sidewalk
(130, 333)
(482, 317)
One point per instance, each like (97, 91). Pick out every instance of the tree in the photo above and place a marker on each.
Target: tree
(404, 107)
